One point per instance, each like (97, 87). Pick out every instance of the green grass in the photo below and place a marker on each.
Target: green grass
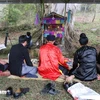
(36, 87)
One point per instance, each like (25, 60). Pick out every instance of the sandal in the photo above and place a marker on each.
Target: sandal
(53, 91)
(49, 88)
(9, 91)
(67, 85)
(20, 91)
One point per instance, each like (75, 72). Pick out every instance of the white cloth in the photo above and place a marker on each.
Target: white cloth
(81, 92)
(2, 46)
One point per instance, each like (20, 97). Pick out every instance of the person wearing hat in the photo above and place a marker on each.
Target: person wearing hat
(84, 64)
(19, 61)
(49, 58)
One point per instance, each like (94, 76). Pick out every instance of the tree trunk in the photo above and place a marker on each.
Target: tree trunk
(94, 15)
(70, 40)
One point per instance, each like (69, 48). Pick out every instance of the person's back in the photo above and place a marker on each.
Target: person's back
(84, 65)
(16, 59)
(18, 54)
(49, 54)
(87, 63)
(49, 58)
(87, 54)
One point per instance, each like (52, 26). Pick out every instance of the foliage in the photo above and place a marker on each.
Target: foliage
(15, 13)
(88, 7)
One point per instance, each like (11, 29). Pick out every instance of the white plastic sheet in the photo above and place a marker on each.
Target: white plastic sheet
(81, 92)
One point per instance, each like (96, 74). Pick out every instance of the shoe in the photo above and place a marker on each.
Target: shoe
(18, 93)
(53, 91)
(49, 89)
(9, 91)
(24, 90)
(67, 85)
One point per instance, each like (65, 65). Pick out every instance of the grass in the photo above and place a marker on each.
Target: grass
(92, 29)
(35, 88)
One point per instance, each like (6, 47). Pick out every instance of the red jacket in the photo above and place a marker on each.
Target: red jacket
(50, 57)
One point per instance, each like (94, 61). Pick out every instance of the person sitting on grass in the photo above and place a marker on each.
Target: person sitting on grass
(84, 64)
(49, 58)
(19, 61)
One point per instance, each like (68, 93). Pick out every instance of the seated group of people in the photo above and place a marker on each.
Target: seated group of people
(50, 59)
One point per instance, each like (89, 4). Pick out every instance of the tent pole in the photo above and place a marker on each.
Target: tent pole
(42, 8)
(64, 26)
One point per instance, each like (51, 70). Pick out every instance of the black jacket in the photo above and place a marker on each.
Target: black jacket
(28, 41)
(86, 58)
(18, 54)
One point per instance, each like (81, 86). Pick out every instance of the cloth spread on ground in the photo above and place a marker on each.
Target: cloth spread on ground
(39, 78)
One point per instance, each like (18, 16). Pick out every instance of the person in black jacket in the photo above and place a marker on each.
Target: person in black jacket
(19, 60)
(84, 64)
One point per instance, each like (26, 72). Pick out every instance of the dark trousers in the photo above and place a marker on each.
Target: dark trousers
(63, 69)
(3, 67)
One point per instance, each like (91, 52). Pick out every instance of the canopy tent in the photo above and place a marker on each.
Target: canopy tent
(50, 1)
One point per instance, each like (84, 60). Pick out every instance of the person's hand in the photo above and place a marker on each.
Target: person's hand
(69, 79)
(70, 68)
